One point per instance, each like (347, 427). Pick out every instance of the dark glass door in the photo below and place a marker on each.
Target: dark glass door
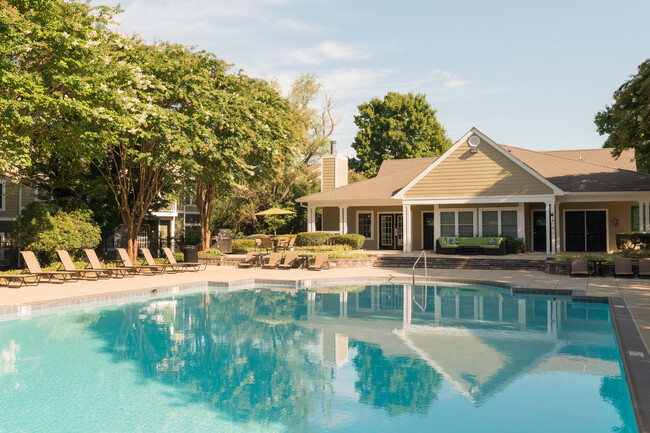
(539, 230)
(427, 231)
(574, 230)
(596, 231)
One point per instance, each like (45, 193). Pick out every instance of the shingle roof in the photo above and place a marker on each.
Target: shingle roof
(390, 179)
(586, 170)
(574, 175)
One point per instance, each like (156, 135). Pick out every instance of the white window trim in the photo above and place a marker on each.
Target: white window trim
(498, 210)
(455, 211)
(3, 194)
(372, 223)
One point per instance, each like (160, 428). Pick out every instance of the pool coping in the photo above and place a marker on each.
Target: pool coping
(634, 354)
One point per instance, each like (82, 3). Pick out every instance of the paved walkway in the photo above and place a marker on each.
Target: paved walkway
(636, 292)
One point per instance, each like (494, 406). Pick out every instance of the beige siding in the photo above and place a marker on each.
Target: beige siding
(485, 173)
(328, 174)
(330, 219)
(341, 172)
(11, 200)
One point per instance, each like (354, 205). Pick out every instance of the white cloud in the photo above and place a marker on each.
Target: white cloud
(327, 51)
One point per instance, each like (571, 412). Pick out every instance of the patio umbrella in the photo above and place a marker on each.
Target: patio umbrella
(274, 211)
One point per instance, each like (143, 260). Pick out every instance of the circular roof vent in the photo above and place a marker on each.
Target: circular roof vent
(474, 141)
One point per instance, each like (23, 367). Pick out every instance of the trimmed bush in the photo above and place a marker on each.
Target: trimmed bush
(243, 245)
(353, 240)
(514, 245)
(313, 239)
(632, 241)
(41, 228)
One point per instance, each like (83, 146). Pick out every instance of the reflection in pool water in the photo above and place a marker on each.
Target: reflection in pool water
(384, 358)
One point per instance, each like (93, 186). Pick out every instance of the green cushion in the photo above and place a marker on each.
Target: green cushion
(490, 246)
(447, 246)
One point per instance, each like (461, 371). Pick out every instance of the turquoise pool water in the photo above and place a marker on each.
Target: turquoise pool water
(385, 358)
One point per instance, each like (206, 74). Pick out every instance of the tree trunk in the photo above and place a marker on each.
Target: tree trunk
(204, 197)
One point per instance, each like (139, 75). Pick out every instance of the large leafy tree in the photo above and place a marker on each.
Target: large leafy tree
(627, 120)
(399, 126)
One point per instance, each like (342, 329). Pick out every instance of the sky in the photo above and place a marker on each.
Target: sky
(527, 74)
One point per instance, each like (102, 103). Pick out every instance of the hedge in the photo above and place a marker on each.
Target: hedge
(243, 245)
(353, 240)
(632, 241)
(313, 239)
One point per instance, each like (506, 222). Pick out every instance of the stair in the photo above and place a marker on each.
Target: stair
(460, 263)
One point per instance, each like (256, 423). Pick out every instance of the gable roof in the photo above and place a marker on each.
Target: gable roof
(584, 170)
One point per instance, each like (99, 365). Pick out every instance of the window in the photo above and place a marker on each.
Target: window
(509, 223)
(457, 223)
(635, 218)
(490, 223)
(447, 224)
(190, 201)
(192, 220)
(3, 193)
(466, 224)
(364, 224)
(499, 223)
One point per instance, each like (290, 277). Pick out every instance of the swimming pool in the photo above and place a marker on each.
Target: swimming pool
(439, 357)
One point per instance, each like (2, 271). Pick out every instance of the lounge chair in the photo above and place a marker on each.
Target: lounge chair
(95, 264)
(644, 267)
(190, 266)
(126, 261)
(289, 261)
(10, 280)
(292, 242)
(68, 265)
(172, 267)
(283, 243)
(274, 261)
(249, 261)
(35, 269)
(623, 267)
(579, 267)
(258, 243)
(320, 262)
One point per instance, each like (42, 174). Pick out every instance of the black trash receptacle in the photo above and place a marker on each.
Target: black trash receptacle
(191, 254)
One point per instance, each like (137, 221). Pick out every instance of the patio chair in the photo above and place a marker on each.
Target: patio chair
(644, 267)
(35, 269)
(292, 242)
(258, 244)
(579, 267)
(68, 265)
(10, 280)
(95, 264)
(623, 267)
(127, 263)
(283, 243)
(190, 266)
(274, 261)
(320, 262)
(267, 244)
(289, 261)
(148, 258)
(249, 261)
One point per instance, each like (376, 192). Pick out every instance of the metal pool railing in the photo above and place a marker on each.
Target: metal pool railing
(426, 274)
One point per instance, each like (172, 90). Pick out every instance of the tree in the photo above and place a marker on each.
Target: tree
(627, 121)
(399, 126)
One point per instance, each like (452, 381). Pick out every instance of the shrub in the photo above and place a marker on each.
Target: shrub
(243, 245)
(632, 241)
(355, 241)
(566, 258)
(211, 252)
(313, 239)
(514, 245)
(41, 228)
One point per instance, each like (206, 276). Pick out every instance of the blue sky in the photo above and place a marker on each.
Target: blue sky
(527, 74)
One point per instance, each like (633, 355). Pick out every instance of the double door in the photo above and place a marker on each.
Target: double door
(390, 231)
(585, 230)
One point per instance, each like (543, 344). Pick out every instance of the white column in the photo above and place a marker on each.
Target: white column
(172, 230)
(641, 210)
(310, 219)
(436, 222)
(647, 217)
(343, 219)
(20, 199)
(547, 206)
(407, 236)
(558, 234)
(553, 229)
(521, 222)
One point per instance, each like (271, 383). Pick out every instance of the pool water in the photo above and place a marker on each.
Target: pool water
(389, 358)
